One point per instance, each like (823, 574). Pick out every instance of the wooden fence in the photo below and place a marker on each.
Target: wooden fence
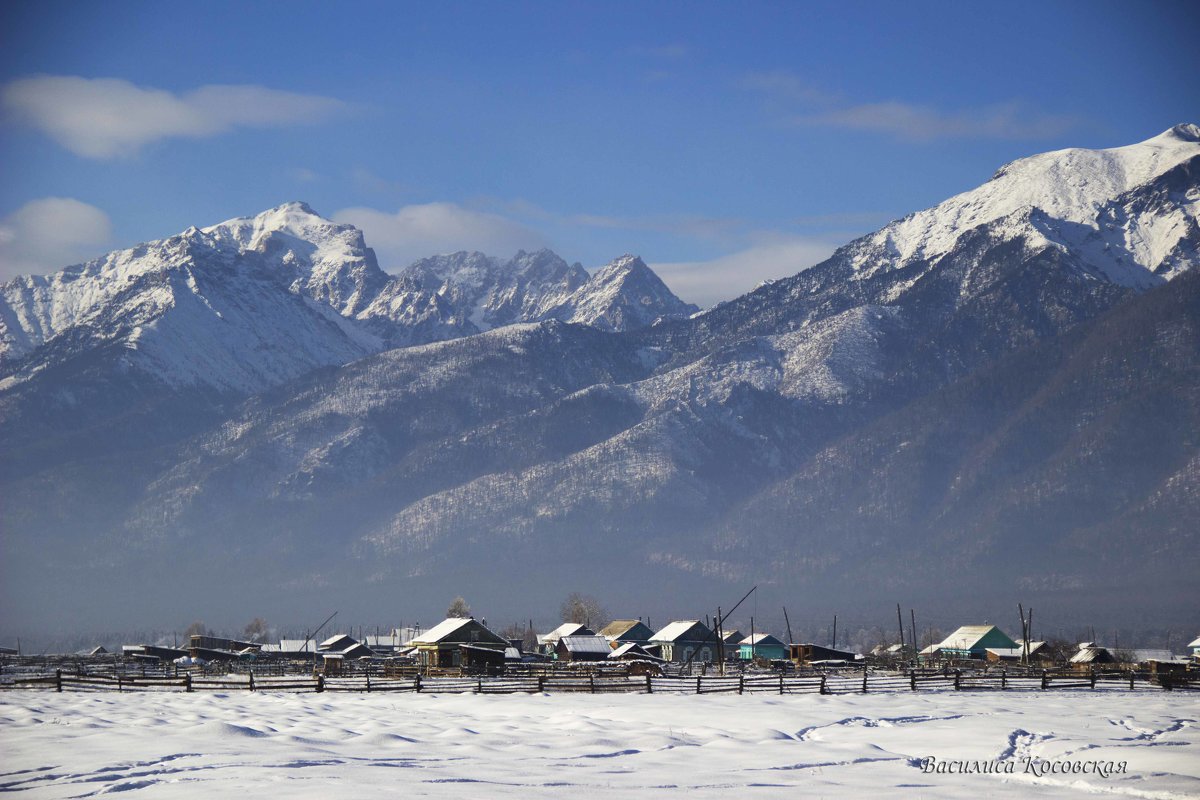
(843, 682)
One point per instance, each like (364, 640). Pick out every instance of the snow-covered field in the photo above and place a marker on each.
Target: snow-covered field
(342, 745)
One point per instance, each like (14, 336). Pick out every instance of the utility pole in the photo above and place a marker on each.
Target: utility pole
(833, 644)
(900, 621)
(913, 618)
(789, 627)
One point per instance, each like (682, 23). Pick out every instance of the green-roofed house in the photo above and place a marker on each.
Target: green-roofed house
(973, 641)
(762, 645)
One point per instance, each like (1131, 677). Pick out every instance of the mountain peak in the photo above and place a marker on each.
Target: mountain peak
(1183, 132)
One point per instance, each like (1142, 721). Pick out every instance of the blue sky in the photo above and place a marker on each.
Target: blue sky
(724, 143)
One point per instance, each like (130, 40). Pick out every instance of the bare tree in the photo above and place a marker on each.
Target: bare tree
(583, 609)
(256, 630)
(197, 628)
(458, 608)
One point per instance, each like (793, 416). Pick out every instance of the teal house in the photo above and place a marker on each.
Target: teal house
(973, 641)
(762, 645)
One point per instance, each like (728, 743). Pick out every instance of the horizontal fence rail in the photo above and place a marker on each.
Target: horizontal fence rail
(565, 681)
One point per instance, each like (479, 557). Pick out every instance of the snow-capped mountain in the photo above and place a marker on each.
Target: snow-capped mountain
(1015, 370)
(1130, 211)
(256, 301)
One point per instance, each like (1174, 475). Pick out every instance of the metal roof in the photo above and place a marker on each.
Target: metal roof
(1195, 643)
(566, 629)
(586, 644)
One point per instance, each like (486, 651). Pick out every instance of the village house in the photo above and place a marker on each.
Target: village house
(1195, 647)
(972, 641)
(548, 642)
(761, 645)
(686, 640)
(1089, 655)
(582, 648)
(450, 641)
(620, 631)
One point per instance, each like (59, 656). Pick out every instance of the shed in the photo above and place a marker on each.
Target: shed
(1037, 653)
(806, 653)
(1195, 648)
(582, 648)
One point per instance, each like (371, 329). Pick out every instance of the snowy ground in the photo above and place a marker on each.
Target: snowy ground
(343, 745)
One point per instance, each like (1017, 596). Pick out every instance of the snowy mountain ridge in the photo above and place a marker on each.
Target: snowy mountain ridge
(1083, 197)
(255, 301)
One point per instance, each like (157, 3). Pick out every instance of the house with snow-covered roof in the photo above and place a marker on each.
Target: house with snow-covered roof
(443, 645)
(686, 640)
(972, 641)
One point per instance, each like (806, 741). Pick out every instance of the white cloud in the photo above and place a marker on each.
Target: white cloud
(109, 117)
(801, 103)
(706, 283)
(924, 123)
(48, 234)
(417, 231)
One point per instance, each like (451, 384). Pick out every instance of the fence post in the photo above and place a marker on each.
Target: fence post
(697, 684)
(1093, 680)
(864, 679)
(1045, 679)
(368, 681)
(479, 685)
(592, 683)
(823, 684)
(417, 683)
(1131, 680)
(252, 680)
(541, 683)
(741, 683)
(649, 686)
(1003, 679)
(957, 679)
(187, 682)
(320, 682)
(58, 680)
(912, 680)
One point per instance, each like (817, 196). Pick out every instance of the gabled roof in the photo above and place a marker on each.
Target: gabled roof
(970, 637)
(633, 650)
(292, 646)
(733, 637)
(1089, 652)
(620, 627)
(586, 644)
(1195, 643)
(689, 629)
(448, 628)
(441, 630)
(761, 639)
(339, 642)
(566, 629)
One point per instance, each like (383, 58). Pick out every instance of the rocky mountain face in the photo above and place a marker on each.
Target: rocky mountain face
(998, 397)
